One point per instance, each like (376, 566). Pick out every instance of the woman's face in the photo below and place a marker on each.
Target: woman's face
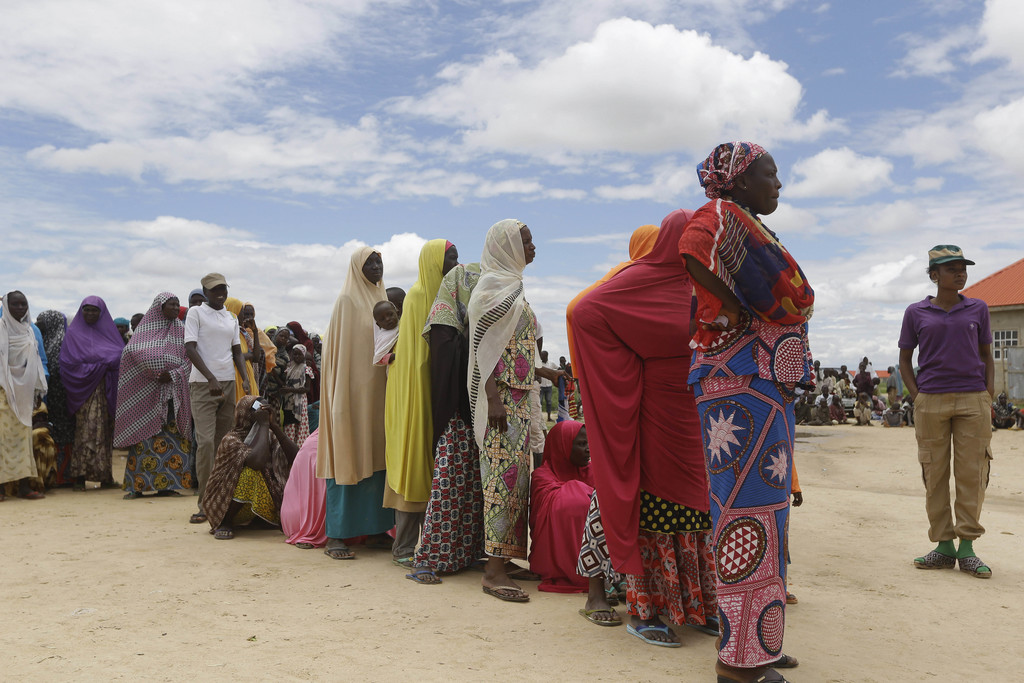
(451, 259)
(281, 338)
(529, 248)
(171, 308)
(90, 314)
(758, 187)
(196, 299)
(951, 276)
(298, 354)
(247, 314)
(17, 305)
(580, 454)
(373, 268)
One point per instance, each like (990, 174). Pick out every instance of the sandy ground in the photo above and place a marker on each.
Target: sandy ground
(97, 588)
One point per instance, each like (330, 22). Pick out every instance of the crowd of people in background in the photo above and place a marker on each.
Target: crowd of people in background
(422, 421)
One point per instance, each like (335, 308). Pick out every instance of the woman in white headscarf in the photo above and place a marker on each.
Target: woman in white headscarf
(22, 382)
(502, 333)
(350, 451)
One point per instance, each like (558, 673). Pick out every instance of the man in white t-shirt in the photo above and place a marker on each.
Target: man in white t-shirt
(212, 344)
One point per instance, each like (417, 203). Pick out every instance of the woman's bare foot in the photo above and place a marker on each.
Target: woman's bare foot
(653, 630)
(496, 580)
(598, 607)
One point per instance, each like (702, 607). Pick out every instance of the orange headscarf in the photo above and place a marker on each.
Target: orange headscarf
(640, 244)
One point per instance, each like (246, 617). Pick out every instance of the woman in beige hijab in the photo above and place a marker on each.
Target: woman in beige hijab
(350, 453)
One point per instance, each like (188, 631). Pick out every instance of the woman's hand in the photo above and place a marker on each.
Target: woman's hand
(728, 318)
(497, 416)
(263, 415)
(553, 375)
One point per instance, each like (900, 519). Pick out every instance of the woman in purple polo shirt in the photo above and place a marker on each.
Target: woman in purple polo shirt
(952, 394)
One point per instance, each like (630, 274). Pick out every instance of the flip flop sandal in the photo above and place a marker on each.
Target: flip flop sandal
(197, 518)
(223, 534)
(710, 627)
(514, 571)
(769, 676)
(639, 632)
(415, 576)
(935, 560)
(972, 565)
(588, 614)
(132, 495)
(305, 546)
(518, 594)
(785, 662)
(340, 553)
(791, 599)
(404, 562)
(33, 495)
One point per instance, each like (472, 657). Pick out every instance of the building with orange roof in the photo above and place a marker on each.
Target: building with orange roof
(1003, 291)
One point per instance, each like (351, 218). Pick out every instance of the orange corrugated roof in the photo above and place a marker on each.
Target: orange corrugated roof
(1002, 288)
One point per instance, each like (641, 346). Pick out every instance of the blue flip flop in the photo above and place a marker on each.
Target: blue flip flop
(641, 630)
(415, 576)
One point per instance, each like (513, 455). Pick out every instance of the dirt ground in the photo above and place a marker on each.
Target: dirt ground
(97, 588)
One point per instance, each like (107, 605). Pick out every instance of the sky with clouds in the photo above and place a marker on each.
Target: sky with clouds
(145, 144)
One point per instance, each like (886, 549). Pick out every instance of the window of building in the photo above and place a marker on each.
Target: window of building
(1002, 339)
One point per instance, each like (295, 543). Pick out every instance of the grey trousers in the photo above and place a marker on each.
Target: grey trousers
(407, 533)
(213, 417)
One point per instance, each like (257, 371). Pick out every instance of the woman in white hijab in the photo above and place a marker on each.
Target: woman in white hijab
(22, 383)
(502, 333)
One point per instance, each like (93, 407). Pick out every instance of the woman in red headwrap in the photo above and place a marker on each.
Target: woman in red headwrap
(750, 355)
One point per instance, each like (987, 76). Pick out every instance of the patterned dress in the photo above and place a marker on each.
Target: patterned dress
(163, 462)
(505, 460)
(743, 381)
(679, 568)
(94, 434)
(296, 408)
(452, 537)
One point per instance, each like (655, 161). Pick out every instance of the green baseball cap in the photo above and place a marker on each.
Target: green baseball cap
(944, 253)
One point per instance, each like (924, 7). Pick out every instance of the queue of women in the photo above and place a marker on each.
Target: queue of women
(673, 497)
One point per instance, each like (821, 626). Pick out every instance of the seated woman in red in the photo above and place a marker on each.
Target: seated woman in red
(559, 498)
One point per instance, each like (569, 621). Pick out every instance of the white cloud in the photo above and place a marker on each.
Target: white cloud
(284, 281)
(1001, 28)
(290, 150)
(834, 71)
(931, 55)
(632, 87)
(1000, 133)
(839, 173)
(124, 69)
(928, 184)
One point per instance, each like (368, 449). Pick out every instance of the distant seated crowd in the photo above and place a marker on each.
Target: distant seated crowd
(840, 397)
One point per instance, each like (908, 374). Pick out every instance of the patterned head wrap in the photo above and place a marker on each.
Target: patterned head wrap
(726, 162)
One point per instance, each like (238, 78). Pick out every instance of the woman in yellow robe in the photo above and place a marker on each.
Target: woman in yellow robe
(408, 421)
(235, 306)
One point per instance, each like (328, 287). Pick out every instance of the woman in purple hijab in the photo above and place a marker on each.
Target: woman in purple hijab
(89, 363)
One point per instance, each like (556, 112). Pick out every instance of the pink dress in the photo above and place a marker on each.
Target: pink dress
(304, 509)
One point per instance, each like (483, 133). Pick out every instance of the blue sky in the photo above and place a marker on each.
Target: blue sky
(145, 144)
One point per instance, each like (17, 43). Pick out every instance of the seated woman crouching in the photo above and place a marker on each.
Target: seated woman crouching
(248, 478)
